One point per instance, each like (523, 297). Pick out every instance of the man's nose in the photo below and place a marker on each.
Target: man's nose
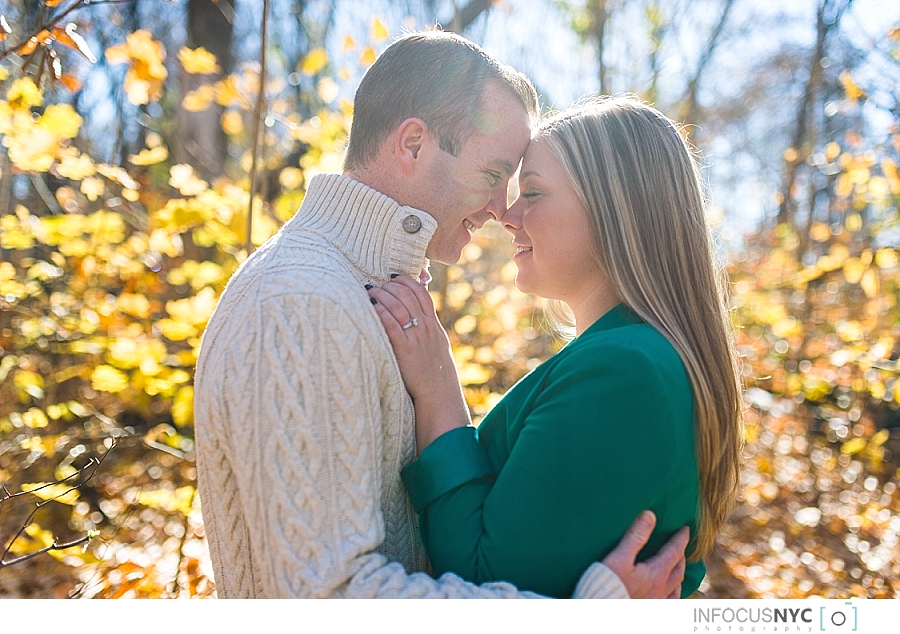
(496, 205)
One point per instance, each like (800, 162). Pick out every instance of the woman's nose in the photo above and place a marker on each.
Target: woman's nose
(512, 219)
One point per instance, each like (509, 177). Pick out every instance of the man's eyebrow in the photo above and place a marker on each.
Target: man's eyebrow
(506, 166)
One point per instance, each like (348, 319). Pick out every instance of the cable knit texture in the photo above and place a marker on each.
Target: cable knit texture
(303, 423)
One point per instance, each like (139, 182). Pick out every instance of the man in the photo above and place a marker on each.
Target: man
(302, 420)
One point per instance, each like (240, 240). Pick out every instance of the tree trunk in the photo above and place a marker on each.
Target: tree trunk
(202, 142)
(599, 18)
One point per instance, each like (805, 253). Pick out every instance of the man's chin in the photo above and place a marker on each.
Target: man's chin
(447, 254)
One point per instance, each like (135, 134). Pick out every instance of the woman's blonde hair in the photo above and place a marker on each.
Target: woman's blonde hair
(638, 181)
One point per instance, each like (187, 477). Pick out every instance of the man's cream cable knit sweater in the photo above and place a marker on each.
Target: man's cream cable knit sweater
(302, 420)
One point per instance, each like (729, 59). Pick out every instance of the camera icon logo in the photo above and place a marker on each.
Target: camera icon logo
(843, 619)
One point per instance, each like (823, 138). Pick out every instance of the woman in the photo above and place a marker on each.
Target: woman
(640, 410)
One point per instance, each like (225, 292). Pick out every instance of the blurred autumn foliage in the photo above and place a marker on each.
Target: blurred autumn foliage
(111, 268)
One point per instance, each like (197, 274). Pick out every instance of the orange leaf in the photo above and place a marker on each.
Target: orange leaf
(4, 28)
(71, 82)
(70, 38)
(29, 47)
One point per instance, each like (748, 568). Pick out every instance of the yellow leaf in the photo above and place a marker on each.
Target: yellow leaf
(368, 56)
(106, 378)
(183, 406)
(198, 61)
(854, 93)
(853, 270)
(129, 353)
(23, 93)
(30, 382)
(869, 284)
(199, 99)
(176, 330)
(106, 226)
(61, 119)
(117, 174)
(878, 187)
(853, 222)
(465, 324)
(843, 186)
(232, 122)
(35, 418)
(149, 156)
(177, 501)
(147, 73)
(32, 443)
(327, 89)
(832, 151)
(880, 437)
(474, 374)
(226, 91)
(207, 274)
(886, 258)
(349, 44)
(193, 310)
(186, 181)
(314, 61)
(166, 243)
(892, 174)
(819, 232)
(75, 166)
(853, 446)
(4, 74)
(379, 30)
(93, 188)
(57, 492)
(134, 304)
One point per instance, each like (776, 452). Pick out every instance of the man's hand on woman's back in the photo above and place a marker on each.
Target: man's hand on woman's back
(660, 576)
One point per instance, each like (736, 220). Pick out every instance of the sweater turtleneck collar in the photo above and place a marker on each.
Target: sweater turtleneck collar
(378, 235)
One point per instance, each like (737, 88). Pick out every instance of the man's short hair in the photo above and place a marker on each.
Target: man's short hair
(434, 76)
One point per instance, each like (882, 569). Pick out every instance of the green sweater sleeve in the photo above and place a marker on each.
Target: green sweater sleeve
(597, 447)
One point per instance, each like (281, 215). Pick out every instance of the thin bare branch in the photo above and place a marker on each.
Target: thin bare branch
(54, 546)
(93, 462)
(46, 26)
(257, 118)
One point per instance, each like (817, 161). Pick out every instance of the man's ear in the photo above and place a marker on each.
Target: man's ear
(412, 138)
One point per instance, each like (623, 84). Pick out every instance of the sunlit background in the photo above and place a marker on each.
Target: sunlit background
(127, 152)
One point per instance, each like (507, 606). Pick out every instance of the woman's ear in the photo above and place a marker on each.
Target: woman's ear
(412, 137)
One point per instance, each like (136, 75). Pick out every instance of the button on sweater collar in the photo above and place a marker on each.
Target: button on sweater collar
(369, 228)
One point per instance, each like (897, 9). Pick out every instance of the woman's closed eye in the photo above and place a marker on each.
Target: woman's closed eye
(529, 194)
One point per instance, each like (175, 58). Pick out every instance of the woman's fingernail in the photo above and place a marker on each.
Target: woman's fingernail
(368, 287)
(372, 299)
(394, 275)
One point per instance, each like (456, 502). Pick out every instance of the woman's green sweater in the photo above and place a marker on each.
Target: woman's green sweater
(560, 468)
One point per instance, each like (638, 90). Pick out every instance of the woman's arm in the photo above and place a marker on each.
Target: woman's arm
(553, 510)
(424, 356)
